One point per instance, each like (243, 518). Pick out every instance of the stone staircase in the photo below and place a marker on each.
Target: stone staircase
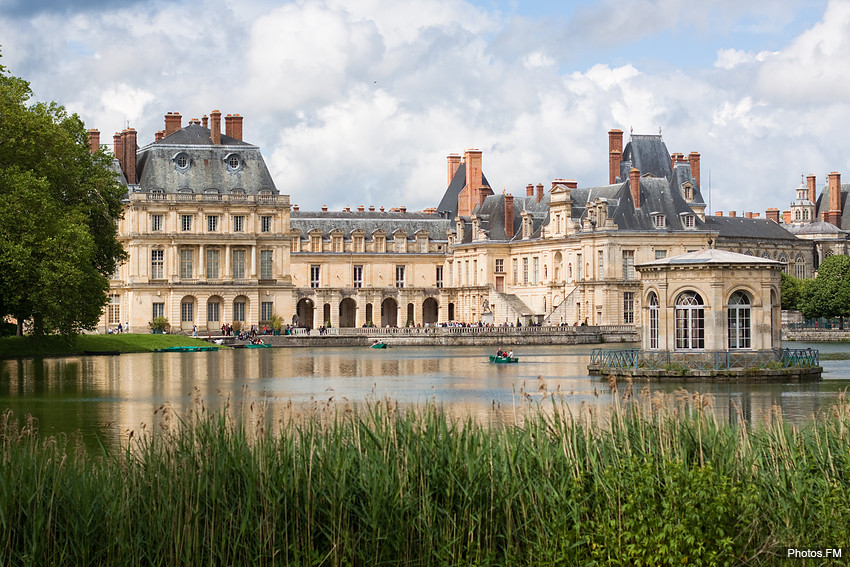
(565, 312)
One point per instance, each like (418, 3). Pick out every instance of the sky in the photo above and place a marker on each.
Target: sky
(358, 102)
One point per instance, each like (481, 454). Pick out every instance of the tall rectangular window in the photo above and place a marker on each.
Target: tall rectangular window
(213, 312)
(266, 310)
(186, 264)
(158, 310)
(156, 223)
(187, 311)
(212, 264)
(628, 264)
(212, 223)
(579, 268)
(500, 265)
(314, 275)
(399, 276)
(600, 264)
(266, 265)
(239, 223)
(238, 264)
(157, 264)
(628, 307)
(358, 276)
(239, 311)
(525, 271)
(516, 271)
(185, 223)
(535, 270)
(466, 272)
(439, 276)
(114, 310)
(265, 224)
(475, 272)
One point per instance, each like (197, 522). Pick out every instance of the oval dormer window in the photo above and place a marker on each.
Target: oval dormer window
(233, 162)
(181, 161)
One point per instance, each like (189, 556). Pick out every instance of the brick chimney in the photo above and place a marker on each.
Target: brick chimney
(173, 122)
(233, 126)
(509, 216)
(94, 140)
(371, 208)
(786, 217)
(403, 209)
(453, 163)
(118, 149)
(215, 127)
(748, 215)
(129, 147)
(159, 135)
(810, 183)
(539, 192)
(205, 121)
(296, 208)
(324, 208)
(473, 176)
(615, 154)
(834, 214)
(529, 190)
(772, 214)
(634, 185)
(693, 159)
(571, 184)
(361, 208)
(718, 213)
(733, 214)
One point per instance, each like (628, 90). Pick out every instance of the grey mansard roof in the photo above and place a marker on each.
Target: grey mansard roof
(369, 222)
(448, 204)
(817, 227)
(823, 205)
(208, 171)
(740, 227)
(710, 256)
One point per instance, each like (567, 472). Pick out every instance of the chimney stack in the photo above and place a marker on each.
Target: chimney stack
(129, 147)
(159, 135)
(296, 208)
(324, 208)
(634, 184)
(215, 127)
(403, 208)
(834, 215)
(571, 184)
(205, 121)
(94, 140)
(118, 149)
(786, 217)
(371, 208)
(233, 126)
(733, 214)
(539, 192)
(718, 213)
(474, 178)
(361, 209)
(748, 215)
(529, 190)
(453, 163)
(810, 183)
(615, 154)
(772, 214)
(693, 158)
(509, 216)
(173, 122)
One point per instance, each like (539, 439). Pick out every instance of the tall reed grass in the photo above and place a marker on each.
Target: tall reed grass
(658, 482)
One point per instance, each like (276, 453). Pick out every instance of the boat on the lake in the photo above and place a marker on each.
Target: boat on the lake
(186, 349)
(503, 359)
(380, 344)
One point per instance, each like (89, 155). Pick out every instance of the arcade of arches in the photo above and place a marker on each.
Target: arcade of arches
(348, 312)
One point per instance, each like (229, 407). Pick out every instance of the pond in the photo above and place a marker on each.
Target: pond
(105, 397)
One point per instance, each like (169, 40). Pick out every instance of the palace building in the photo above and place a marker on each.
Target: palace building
(212, 241)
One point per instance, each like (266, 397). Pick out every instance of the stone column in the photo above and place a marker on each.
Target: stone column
(228, 274)
(202, 263)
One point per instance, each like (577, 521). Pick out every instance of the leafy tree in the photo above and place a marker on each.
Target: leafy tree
(828, 295)
(59, 207)
(791, 291)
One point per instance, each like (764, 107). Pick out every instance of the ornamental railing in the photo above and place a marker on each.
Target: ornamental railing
(703, 360)
(476, 331)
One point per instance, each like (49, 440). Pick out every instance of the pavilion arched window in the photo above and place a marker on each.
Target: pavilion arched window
(653, 320)
(690, 321)
(740, 321)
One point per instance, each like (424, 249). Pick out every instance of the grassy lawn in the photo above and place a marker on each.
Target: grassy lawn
(11, 347)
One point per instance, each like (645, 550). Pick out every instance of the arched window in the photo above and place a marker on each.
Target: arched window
(690, 321)
(739, 320)
(653, 320)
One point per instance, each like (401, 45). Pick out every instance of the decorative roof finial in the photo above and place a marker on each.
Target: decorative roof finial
(659, 130)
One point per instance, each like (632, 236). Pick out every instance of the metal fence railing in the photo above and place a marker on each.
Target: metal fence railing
(703, 360)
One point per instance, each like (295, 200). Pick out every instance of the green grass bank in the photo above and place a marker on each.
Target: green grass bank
(657, 484)
(13, 347)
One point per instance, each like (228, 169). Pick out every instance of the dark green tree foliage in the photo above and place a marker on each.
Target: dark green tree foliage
(828, 295)
(59, 207)
(791, 291)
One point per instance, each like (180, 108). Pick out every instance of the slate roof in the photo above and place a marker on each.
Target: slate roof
(741, 227)
(370, 222)
(709, 256)
(448, 204)
(649, 154)
(207, 169)
(823, 205)
(817, 227)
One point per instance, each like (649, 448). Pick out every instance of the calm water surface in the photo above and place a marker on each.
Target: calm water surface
(105, 397)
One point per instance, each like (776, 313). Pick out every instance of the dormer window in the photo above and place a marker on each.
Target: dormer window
(181, 161)
(233, 162)
(688, 220)
(688, 192)
(659, 220)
